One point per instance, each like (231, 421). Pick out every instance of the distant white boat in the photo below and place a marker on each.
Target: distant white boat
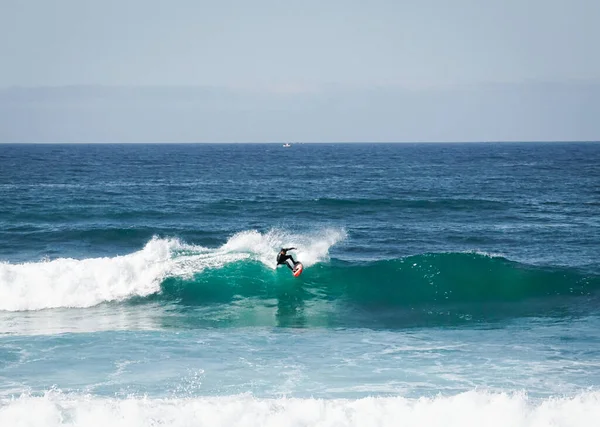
(286, 145)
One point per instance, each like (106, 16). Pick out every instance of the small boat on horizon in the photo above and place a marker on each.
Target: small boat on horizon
(286, 145)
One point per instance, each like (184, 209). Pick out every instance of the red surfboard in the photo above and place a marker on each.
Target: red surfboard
(297, 271)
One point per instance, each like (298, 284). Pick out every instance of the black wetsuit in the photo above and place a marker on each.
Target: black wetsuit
(283, 258)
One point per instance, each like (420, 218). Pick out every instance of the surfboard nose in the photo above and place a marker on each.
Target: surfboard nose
(297, 271)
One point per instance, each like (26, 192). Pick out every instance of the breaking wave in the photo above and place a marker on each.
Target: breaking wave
(67, 282)
(244, 267)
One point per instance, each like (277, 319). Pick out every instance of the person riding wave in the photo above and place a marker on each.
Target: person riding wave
(284, 258)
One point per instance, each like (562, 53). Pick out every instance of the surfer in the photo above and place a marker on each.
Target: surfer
(283, 258)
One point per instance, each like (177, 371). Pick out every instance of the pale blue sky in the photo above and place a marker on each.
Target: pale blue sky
(309, 70)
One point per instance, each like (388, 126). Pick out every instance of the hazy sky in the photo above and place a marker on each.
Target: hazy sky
(323, 55)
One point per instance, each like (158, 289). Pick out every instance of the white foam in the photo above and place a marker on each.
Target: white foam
(66, 282)
(464, 410)
(485, 254)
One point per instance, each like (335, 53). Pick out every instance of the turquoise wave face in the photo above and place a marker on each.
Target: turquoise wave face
(421, 289)
(416, 280)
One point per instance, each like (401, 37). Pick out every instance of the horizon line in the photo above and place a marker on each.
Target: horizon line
(591, 141)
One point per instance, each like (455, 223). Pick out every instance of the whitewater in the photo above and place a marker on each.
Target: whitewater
(464, 410)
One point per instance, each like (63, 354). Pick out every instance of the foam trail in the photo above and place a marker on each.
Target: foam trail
(471, 409)
(66, 282)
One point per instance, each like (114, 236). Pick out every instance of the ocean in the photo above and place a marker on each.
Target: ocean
(444, 285)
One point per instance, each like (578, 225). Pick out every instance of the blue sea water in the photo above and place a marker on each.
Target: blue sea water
(444, 284)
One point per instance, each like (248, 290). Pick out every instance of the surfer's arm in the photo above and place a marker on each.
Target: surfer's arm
(289, 249)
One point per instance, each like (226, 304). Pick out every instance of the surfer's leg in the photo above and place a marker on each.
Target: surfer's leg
(290, 263)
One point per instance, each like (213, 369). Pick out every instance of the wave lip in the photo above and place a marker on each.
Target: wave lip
(463, 410)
